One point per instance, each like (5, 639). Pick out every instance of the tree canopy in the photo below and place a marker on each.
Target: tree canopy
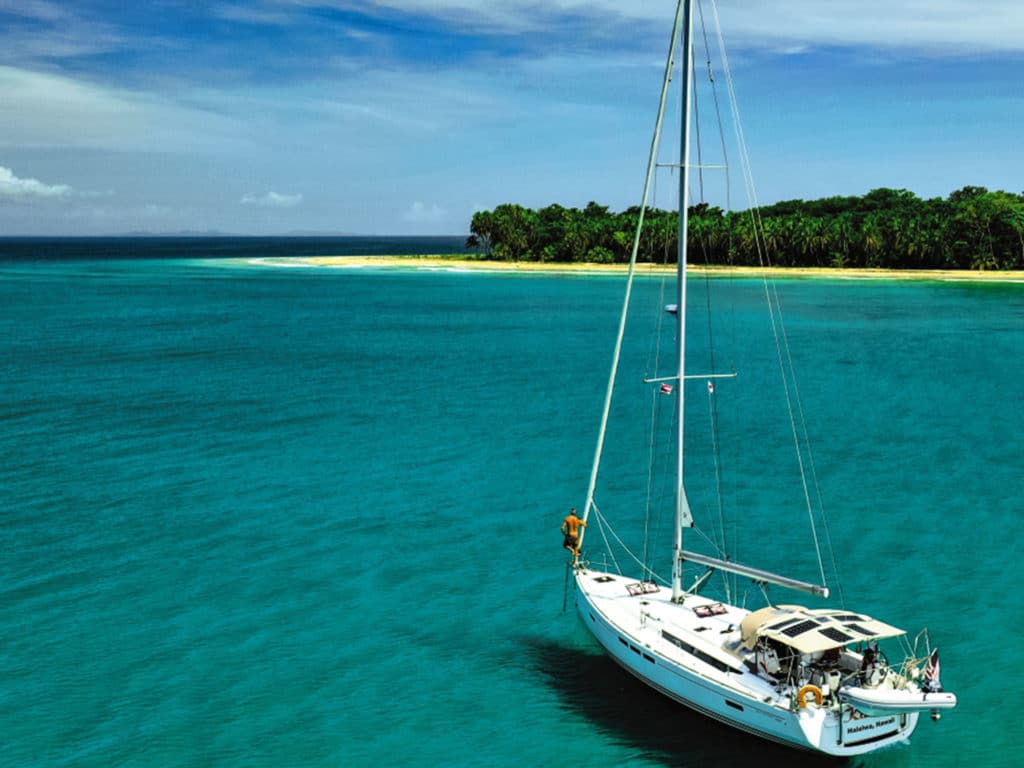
(972, 228)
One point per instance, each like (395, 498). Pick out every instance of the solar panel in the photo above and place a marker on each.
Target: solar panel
(785, 623)
(799, 629)
(834, 634)
(858, 628)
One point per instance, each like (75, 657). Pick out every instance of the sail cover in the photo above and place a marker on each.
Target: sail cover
(812, 631)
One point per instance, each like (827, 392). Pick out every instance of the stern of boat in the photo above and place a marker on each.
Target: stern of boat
(846, 732)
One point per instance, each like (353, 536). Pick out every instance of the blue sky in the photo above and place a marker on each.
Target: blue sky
(406, 116)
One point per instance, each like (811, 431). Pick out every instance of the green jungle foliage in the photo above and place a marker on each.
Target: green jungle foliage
(973, 228)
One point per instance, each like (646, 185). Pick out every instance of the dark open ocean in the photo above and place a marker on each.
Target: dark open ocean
(220, 247)
(260, 516)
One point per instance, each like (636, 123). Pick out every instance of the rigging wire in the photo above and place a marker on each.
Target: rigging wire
(603, 527)
(712, 367)
(797, 420)
(565, 586)
(644, 569)
(654, 500)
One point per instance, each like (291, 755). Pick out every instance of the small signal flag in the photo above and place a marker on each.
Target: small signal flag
(931, 672)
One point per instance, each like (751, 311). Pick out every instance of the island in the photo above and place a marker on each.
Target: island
(971, 229)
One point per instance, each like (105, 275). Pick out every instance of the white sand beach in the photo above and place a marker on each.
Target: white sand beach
(454, 263)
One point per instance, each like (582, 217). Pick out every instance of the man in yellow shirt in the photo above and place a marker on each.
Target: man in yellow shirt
(571, 529)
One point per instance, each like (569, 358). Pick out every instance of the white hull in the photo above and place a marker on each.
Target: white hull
(686, 657)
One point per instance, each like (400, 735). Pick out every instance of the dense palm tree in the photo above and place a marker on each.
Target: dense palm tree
(972, 228)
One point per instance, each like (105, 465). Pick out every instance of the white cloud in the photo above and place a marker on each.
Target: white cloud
(34, 9)
(966, 25)
(940, 26)
(13, 187)
(272, 200)
(42, 110)
(250, 15)
(419, 213)
(43, 31)
(372, 113)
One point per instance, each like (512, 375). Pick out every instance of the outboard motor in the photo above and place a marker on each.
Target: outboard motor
(932, 683)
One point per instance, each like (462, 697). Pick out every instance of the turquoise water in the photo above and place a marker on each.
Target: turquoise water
(256, 516)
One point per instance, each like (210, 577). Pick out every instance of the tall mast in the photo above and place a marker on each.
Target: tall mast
(683, 517)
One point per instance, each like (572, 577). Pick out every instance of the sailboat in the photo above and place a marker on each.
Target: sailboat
(811, 678)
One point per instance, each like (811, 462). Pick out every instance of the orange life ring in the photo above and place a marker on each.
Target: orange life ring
(801, 696)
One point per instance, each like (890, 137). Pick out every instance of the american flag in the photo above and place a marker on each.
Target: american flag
(931, 672)
(666, 389)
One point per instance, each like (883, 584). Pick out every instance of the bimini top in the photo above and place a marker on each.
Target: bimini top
(812, 631)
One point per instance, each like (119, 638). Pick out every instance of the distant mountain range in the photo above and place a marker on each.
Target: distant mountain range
(220, 233)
